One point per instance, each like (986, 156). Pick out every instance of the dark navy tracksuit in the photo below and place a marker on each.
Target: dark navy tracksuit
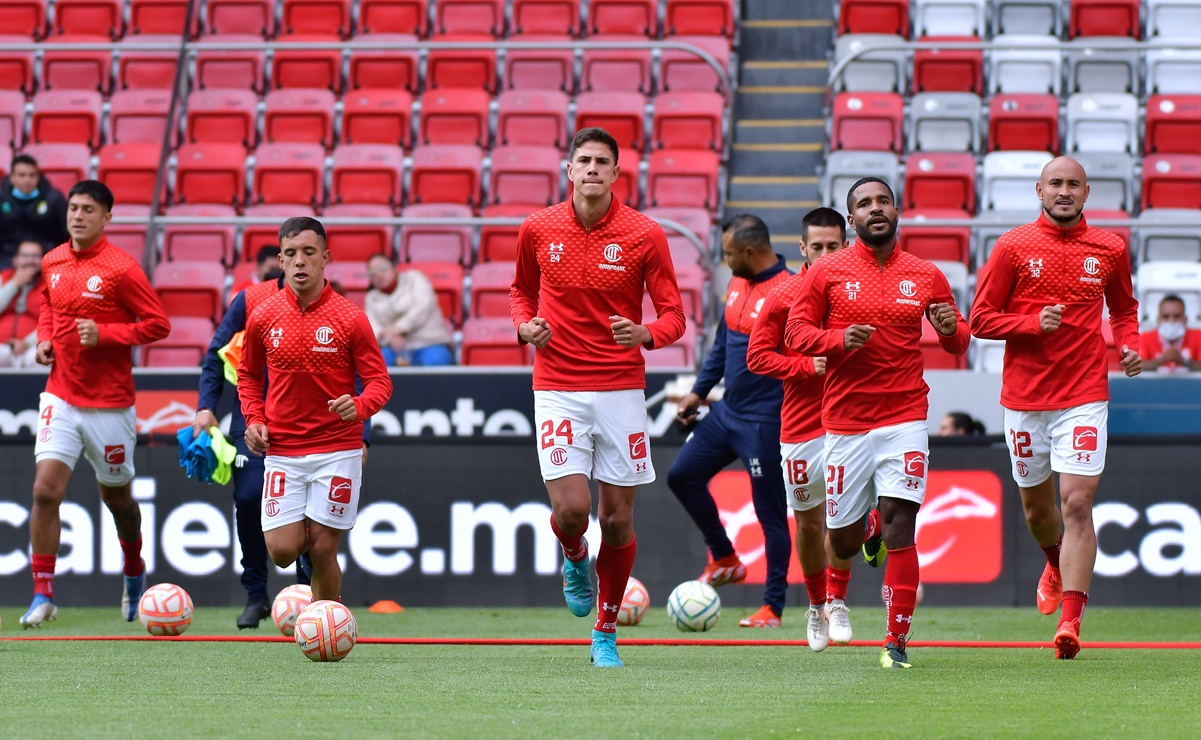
(745, 425)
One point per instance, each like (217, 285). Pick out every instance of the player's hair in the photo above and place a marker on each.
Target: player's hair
(1171, 297)
(266, 253)
(748, 231)
(590, 134)
(863, 181)
(964, 422)
(24, 159)
(299, 224)
(95, 190)
(823, 217)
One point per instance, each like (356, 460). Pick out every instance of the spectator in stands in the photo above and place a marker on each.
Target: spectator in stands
(1171, 347)
(405, 315)
(30, 210)
(20, 304)
(266, 267)
(959, 424)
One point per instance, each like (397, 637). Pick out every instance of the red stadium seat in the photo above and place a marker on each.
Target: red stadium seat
(545, 69)
(935, 357)
(309, 69)
(699, 18)
(67, 117)
(368, 173)
(161, 16)
(139, 115)
(89, 16)
(493, 342)
(242, 16)
(693, 120)
(191, 288)
(24, 17)
(620, 113)
(359, 243)
(623, 17)
(301, 116)
(1122, 231)
(1023, 122)
(289, 173)
(537, 117)
(16, 67)
(451, 116)
(682, 177)
(147, 70)
(1173, 124)
(447, 279)
(680, 71)
(62, 164)
(874, 16)
(185, 346)
(436, 242)
(316, 16)
(129, 238)
(130, 170)
(6, 160)
(617, 70)
(948, 70)
(947, 243)
(384, 69)
(941, 180)
(472, 68)
(499, 243)
(696, 220)
(394, 16)
(12, 119)
(490, 283)
(525, 174)
(470, 16)
(690, 277)
(222, 117)
(78, 70)
(446, 174)
(546, 17)
(231, 69)
(210, 173)
(1104, 18)
(255, 238)
(350, 279)
(1172, 181)
(867, 121)
(681, 354)
(377, 117)
(200, 242)
(627, 188)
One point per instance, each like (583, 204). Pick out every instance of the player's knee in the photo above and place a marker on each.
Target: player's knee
(282, 555)
(1078, 509)
(47, 492)
(616, 522)
(808, 529)
(678, 479)
(845, 546)
(571, 519)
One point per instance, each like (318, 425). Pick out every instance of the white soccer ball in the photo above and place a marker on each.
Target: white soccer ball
(634, 604)
(288, 605)
(694, 607)
(165, 609)
(326, 631)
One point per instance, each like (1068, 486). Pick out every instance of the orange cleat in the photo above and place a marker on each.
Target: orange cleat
(1067, 640)
(1050, 591)
(720, 572)
(765, 617)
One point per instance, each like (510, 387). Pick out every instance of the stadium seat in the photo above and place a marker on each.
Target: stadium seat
(377, 117)
(493, 342)
(67, 117)
(546, 17)
(525, 174)
(874, 16)
(1095, 70)
(6, 160)
(934, 357)
(944, 243)
(147, 70)
(191, 288)
(302, 116)
(987, 355)
(877, 71)
(315, 16)
(230, 69)
(623, 17)
(940, 180)
(24, 18)
(309, 69)
(696, 220)
(1110, 179)
(211, 174)
(1157, 279)
(447, 279)
(152, 17)
(255, 237)
(1102, 122)
(222, 117)
(185, 346)
(350, 279)
(200, 242)
(949, 18)
(1172, 181)
(683, 71)
(78, 70)
(139, 115)
(1009, 179)
(490, 283)
(1042, 17)
(617, 70)
(1173, 124)
(944, 122)
(394, 16)
(62, 164)
(989, 226)
(699, 18)
(453, 116)
(865, 122)
(367, 173)
(690, 277)
(948, 70)
(534, 117)
(360, 242)
(470, 17)
(129, 238)
(12, 119)
(384, 69)
(1023, 122)
(1161, 243)
(680, 355)
(1173, 18)
(16, 67)
(436, 242)
(542, 69)
(1100, 214)
(1104, 18)
(1174, 71)
(130, 170)
(289, 173)
(622, 114)
(693, 120)
(446, 174)
(844, 168)
(499, 243)
(468, 68)
(1032, 66)
(956, 274)
(682, 177)
(241, 16)
(89, 16)
(627, 188)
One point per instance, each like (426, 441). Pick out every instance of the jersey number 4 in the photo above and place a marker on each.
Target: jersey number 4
(550, 431)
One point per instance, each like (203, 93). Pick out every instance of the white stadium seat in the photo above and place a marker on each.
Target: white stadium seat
(1033, 66)
(1103, 122)
(877, 71)
(944, 122)
(1009, 179)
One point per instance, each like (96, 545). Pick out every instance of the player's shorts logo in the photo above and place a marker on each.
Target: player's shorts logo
(831, 508)
(325, 335)
(613, 252)
(1023, 469)
(1092, 265)
(337, 510)
(915, 464)
(114, 454)
(908, 288)
(44, 435)
(272, 507)
(1084, 438)
(800, 494)
(340, 490)
(638, 446)
(94, 283)
(558, 456)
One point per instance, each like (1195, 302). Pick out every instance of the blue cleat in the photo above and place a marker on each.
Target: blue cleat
(135, 586)
(577, 585)
(604, 650)
(41, 610)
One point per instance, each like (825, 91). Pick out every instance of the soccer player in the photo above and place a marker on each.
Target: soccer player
(1042, 292)
(311, 342)
(862, 309)
(582, 268)
(744, 425)
(96, 306)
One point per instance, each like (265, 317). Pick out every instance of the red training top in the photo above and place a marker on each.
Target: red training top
(311, 356)
(1151, 345)
(106, 285)
(880, 384)
(1039, 265)
(577, 278)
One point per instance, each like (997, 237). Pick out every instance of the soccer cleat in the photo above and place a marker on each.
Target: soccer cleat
(720, 572)
(818, 630)
(256, 611)
(135, 586)
(874, 551)
(577, 585)
(604, 650)
(1067, 640)
(1050, 591)
(893, 655)
(839, 617)
(41, 610)
(765, 617)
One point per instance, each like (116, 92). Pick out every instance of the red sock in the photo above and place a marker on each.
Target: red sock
(836, 583)
(574, 547)
(1073, 607)
(901, 575)
(43, 574)
(613, 566)
(1053, 553)
(872, 527)
(133, 557)
(816, 586)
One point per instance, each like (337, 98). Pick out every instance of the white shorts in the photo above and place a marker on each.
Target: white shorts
(804, 465)
(1065, 441)
(598, 434)
(106, 437)
(890, 461)
(323, 487)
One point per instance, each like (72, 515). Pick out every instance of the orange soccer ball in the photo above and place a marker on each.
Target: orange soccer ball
(326, 631)
(288, 605)
(635, 603)
(165, 609)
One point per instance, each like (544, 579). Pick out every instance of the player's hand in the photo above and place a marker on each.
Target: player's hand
(535, 331)
(19, 346)
(1171, 354)
(942, 315)
(23, 276)
(89, 333)
(1131, 362)
(686, 411)
(204, 420)
(344, 406)
(627, 333)
(1050, 318)
(856, 336)
(819, 365)
(256, 439)
(44, 354)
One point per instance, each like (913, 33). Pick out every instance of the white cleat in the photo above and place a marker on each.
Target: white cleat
(840, 622)
(42, 610)
(818, 630)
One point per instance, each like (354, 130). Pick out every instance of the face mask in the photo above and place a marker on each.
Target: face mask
(23, 196)
(1171, 331)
